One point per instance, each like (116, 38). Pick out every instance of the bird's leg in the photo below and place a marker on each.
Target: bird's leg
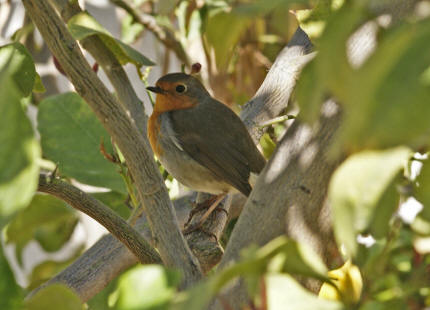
(212, 203)
(202, 206)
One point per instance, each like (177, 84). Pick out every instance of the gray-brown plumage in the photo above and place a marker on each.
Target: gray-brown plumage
(199, 140)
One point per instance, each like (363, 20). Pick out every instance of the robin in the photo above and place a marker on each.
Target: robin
(199, 140)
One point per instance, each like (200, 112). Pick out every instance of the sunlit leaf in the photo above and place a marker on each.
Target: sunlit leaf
(83, 25)
(19, 149)
(71, 136)
(55, 296)
(146, 287)
(38, 86)
(279, 255)
(267, 145)
(283, 290)
(357, 192)
(348, 284)
(16, 63)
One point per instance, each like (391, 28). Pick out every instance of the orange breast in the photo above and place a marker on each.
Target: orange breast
(164, 103)
(153, 131)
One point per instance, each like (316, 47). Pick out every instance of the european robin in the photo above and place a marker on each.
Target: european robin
(199, 140)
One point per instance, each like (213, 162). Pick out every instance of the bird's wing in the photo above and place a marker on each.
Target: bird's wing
(216, 137)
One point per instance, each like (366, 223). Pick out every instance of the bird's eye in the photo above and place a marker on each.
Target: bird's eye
(181, 88)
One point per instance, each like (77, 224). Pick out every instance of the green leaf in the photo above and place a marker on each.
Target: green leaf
(19, 66)
(48, 268)
(387, 100)
(283, 290)
(298, 259)
(330, 72)
(422, 189)
(267, 145)
(46, 219)
(115, 201)
(55, 296)
(19, 149)
(11, 294)
(387, 205)
(101, 301)
(312, 21)
(130, 30)
(38, 86)
(358, 191)
(279, 255)
(225, 26)
(71, 135)
(332, 65)
(223, 30)
(83, 25)
(310, 93)
(146, 287)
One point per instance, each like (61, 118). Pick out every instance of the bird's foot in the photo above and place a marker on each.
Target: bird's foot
(197, 207)
(211, 204)
(198, 226)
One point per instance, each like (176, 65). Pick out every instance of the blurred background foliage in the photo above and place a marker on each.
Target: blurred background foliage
(379, 195)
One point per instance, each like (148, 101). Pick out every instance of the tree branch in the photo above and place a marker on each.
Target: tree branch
(152, 192)
(274, 93)
(106, 259)
(110, 65)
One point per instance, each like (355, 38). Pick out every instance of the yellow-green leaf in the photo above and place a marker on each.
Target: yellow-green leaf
(357, 192)
(83, 25)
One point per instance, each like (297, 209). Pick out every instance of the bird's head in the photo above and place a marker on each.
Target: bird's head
(177, 91)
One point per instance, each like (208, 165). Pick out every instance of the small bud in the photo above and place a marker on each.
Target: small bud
(96, 67)
(58, 66)
(195, 68)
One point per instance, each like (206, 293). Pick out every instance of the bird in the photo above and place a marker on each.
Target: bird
(199, 140)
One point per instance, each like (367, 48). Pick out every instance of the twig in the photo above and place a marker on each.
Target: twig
(165, 35)
(277, 120)
(102, 214)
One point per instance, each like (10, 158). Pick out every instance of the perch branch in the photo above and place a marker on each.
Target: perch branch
(152, 192)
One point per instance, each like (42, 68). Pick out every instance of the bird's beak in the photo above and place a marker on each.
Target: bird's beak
(155, 89)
